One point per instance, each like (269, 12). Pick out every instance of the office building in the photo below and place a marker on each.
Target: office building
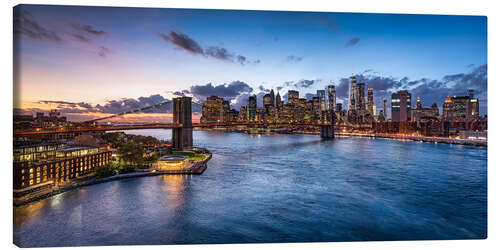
(401, 106)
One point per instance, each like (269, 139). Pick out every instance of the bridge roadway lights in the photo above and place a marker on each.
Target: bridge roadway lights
(327, 132)
(182, 137)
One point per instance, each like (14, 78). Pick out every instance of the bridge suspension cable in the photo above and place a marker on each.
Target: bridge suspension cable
(128, 112)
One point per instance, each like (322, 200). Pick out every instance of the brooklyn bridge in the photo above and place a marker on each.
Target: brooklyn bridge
(182, 125)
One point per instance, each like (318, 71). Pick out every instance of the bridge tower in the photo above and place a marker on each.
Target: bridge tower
(182, 137)
(327, 131)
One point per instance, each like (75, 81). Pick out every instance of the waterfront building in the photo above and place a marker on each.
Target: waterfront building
(461, 107)
(242, 115)
(172, 162)
(252, 108)
(213, 109)
(401, 106)
(39, 166)
(419, 112)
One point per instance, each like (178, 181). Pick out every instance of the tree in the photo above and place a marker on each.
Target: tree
(131, 152)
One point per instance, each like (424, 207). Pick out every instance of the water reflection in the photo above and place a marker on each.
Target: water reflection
(278, 188)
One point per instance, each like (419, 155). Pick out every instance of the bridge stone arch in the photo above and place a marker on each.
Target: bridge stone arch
(182, 137)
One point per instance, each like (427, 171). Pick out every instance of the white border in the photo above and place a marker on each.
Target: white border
(477, 7)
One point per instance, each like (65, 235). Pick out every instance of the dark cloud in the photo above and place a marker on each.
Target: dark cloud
(292, 58)
(261, 88)
(87, 29)
(80, 38)
(227, 91)
(304, 83)
(352, 42)
(182, 41)
(299, 84)
(219, 53)
(103, 51)
(186, 43)
(279, 88)
(26, 25)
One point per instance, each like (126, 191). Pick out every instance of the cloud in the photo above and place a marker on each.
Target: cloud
(292, 58)
(26, 25)
(182, 41)
(261, 88)
(186, 43)
(352, 42)
(227, 91)
(304, 83)
(103, 51)
(219, 53)
(80, 38)
(87, 29)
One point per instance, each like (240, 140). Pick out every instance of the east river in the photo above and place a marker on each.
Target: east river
(277, 188)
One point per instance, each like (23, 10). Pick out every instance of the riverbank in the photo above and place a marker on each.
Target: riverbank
(481, 143)
(197, 168)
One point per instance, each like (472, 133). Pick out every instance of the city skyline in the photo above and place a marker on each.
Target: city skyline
(73, 61)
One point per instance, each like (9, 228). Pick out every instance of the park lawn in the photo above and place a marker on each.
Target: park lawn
(192, 155)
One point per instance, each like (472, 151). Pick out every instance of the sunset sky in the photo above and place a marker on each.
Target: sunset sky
(95, 61)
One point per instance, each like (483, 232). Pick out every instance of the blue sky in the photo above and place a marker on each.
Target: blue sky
(97, 54)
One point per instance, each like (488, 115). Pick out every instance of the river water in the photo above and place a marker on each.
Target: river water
(277, 188)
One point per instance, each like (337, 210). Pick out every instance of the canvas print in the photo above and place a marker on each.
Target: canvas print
(158, 126)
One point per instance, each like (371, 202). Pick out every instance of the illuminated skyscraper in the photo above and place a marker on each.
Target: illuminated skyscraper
(279, 104)
(352, 93)
(293, 97)
(386, 116)
(360, 97)
(267, 101)
(332, 97)
(252, 108)
(322, 101)
(401, 106)
(369, 105)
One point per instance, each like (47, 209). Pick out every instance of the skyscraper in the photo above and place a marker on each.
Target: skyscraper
(251, 108)
(461, 107)
(279, 104)
(293, 97)
(322, 101)
(332, 97)
(267, 101)
(369, 104)
(385, 110)
(352, 93)
(273, 103)
(360, 97)
(401, 106)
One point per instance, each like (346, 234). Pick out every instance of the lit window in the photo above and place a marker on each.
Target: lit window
(31, 170)
(31, 182)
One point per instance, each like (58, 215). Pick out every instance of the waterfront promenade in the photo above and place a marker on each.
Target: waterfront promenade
(420, 138)
(197, 168)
